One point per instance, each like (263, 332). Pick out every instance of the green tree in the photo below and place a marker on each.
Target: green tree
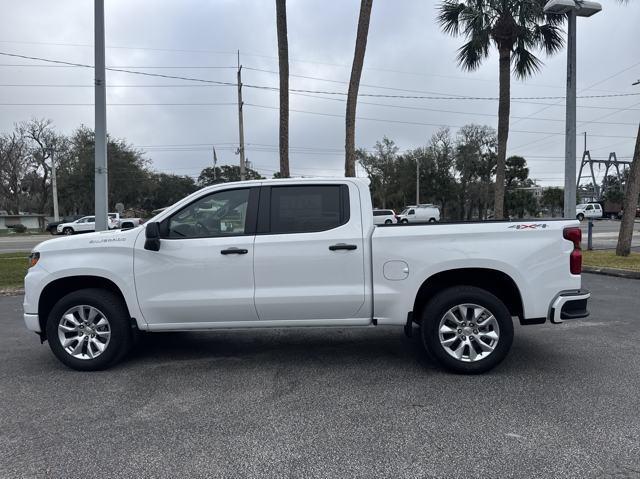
(129, 174)
(516, 28)
(475, 160)
(521, 202)
(516, 173)
(381, 168)
(225, 174)
(553, 198)
(354, 85)
(165, 190)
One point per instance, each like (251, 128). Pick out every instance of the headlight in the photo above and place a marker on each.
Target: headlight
(33, 259)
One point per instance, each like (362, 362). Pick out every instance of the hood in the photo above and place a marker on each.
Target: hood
(83, 240)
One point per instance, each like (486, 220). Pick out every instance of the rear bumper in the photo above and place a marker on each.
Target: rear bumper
(569, 305)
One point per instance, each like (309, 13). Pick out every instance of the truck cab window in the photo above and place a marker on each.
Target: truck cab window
(304, 209)
(219, 214)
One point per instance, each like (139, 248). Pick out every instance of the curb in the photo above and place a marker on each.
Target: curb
(620, 273)
(11, 292)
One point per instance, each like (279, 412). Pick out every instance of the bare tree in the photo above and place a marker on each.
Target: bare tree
(354, 85)
(14, 166)
(43, 143)
(630, 204)
(283, 62)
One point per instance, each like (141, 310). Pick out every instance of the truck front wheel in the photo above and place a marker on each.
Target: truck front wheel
(89, 329)
(467, 329)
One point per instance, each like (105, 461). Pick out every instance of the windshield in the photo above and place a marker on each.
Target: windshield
(405, 212)
(582, 205)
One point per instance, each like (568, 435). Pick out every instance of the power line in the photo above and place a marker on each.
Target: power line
(323, 92)
(403, 122)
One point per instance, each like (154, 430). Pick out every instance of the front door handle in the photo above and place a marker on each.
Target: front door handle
(234, 251)
(336, 247)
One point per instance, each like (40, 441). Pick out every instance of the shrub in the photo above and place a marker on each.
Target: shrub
(20, 228)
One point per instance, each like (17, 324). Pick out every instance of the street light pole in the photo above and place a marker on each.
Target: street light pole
(572, 9)
(570, 124)
(101, 187)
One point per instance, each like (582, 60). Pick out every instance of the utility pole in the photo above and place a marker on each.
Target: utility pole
(215, 162)
(570, 124)
(101, 187)
(240, 122)
(54, 188)
(417, 181)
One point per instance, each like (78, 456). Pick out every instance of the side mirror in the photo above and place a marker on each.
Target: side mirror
(152, 233)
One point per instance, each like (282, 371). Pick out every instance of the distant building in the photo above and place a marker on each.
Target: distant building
(30, 221)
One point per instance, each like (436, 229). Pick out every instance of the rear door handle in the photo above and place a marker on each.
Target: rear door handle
(234, 251)
(336, 247)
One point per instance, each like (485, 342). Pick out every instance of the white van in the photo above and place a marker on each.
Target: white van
(384, 217)
(420, 214)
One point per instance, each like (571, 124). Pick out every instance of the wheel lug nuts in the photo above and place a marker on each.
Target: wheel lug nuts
(475, 331)
(459, 331)
(463, 337)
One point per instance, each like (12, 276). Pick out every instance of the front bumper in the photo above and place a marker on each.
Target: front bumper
(32, 322)
(569, 305)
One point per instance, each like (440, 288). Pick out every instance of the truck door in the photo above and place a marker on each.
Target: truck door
(309, 253)
(203, 271)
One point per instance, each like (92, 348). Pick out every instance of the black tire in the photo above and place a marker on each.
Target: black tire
(432, 220)
(387, 222)
(114, 311)
(404, 221)
(579, 216)
(449, 298)
(67, 231)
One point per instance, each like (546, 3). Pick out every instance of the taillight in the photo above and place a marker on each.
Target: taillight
(575, 259)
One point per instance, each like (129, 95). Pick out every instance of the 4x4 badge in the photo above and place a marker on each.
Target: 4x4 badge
(532, 226)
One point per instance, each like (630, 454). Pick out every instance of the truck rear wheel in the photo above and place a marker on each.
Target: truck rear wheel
(580, 217)
(467, 329)
(89, 329)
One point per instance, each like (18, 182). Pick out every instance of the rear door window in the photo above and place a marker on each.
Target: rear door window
(307, 208)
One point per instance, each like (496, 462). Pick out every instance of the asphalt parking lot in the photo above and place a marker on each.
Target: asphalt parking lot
(330, 403)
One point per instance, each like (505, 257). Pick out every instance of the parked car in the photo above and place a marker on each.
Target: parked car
(384, 217)
(637, 212)
(113, 220)
(305, 253)
(87, 224)
(128, 223)
(52, 227)
(420, 214)
(82, 225)
(588, 210)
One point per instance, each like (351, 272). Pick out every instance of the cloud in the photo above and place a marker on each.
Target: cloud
(406, 51)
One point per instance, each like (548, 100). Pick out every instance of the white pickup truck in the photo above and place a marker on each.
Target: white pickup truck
(304, 252)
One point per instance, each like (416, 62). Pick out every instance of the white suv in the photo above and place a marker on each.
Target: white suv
(588, 210)
(384, 217)
(420, 214)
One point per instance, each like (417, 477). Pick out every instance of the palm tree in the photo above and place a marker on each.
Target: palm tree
(632, 191)
(283, 61)
(630, 204)
(354, 85)
(516, 28)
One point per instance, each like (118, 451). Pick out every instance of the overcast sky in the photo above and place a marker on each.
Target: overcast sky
(406, 54)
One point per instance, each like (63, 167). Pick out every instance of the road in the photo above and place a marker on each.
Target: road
(605, 236)
(14, 244)
(330, 403)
